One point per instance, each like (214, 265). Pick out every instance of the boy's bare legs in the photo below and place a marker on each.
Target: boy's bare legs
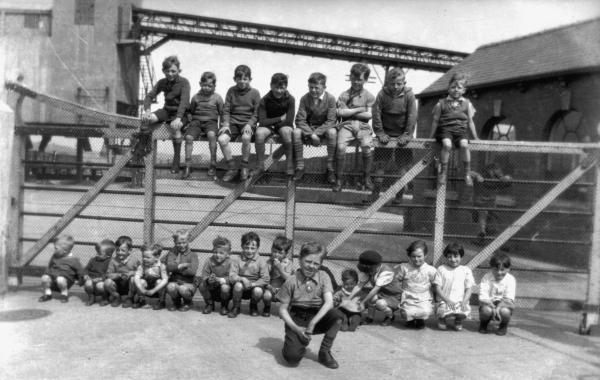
(46, 291)
(246, 142)
(223, 141)
(382, 305)
(212, 147)
(343, 137)
(262, 134)
(298, 146)
(267, 298)
(466, 158)
(444, 158)
(332, 136)
(286, 136)
(367, 166)
(189, 150)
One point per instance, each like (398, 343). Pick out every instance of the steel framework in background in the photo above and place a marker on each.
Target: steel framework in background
(588, 154)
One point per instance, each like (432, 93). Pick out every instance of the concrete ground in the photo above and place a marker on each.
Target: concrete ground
(71, 341)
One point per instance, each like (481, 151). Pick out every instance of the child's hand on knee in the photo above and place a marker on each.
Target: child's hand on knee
(146, 117)
(247, 130)
(176, 124)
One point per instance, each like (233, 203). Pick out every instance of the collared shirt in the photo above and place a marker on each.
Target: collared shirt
(172, 261)
(276, 277)
(241, 106)
(395, 114)
(303, 291)
(254, 269)
(220, 270)
(177, 95)
(316, 118)
(130, 264)
(491, 289)
(350, 99)
(206, 107)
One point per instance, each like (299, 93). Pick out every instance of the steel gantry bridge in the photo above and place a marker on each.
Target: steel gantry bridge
(157, 27)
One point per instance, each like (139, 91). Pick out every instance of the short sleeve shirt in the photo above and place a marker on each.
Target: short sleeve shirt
(348, 99)
(453, 282)
(303, 291)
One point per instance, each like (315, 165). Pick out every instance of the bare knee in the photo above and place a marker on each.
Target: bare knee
(223, 139)
(332, 134)
(211, 136)
(381, 305)
(267, 296)
(485, 312)
(257, 293)
(189, 139)
(100, 286)
(246, 138)
(61, 282)
(46, 280)
(238, 287)
(225, 289)
(505, 313)
(446, 145)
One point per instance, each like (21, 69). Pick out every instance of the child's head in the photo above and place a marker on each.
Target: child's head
(221, 249)
(105, 248)
(280, 247)
(457, 86)
(151, 254)
(311, 257)
(170, 67)
(123, 244)
(416, 252)
(250, 244)
(454, 253)
(279, 83)
(242, 75)
(395, 80)
(208, 82)
(500, 264)
(63, 245)
(349, 279)
(369, 261)
(181, 240)
(359, 74)
(317, 83)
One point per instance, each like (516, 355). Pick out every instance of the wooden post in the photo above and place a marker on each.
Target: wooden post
(290, 209)
(79, 160)
(438, 228)
(7, 124)
(592, 301)
(149, 198)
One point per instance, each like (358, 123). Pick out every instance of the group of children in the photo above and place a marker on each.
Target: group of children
(310, 300)
(321, 119)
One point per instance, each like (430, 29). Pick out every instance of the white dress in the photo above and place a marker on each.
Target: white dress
(453, 283)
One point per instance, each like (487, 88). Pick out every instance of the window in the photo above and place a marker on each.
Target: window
(32, 21)
(564, 126)
(84, 12)
(498, 128)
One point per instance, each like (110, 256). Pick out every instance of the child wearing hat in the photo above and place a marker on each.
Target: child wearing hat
(386, 291)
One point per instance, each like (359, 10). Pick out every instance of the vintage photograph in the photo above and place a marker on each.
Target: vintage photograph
(323, 189)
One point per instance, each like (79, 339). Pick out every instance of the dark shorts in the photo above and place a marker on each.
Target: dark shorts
(247, 293)
(123, 285)
(200, 128)
(323, 137)
(54, 286)
(164, 115)
(392, 300)
(235, 132)
(455, 134)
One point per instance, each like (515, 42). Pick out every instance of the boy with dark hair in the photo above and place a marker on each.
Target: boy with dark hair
(150, 278)
(394, 117)
(276, 116)
(281, 267)
(120, 272)
(315, 123)
(206, 108)
(214, 278)
(176, 90)
(348, 307)
(95, 272)
(62, 271)
(354, 108)
(452, 120)
(240, 113)
(182, 265)
(497, 294)
(249, 275)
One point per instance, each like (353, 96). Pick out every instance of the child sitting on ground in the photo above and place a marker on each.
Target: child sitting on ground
(239, 119)
(95, 272)
(120, 272)
(182, 265)
(497, 294)
(280, 266)
(206, 108)
(452, 120)
(386, 291)
(62, 271)
(150, 278)
(213, 282)
(417, 278)
(349, 308)
(453, 287)
(249, 275)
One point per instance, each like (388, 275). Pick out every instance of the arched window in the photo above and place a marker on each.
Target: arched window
(564, 126)
(502, 129)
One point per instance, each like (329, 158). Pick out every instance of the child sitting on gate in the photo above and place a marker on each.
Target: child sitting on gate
(213, 282)
(95, 272)
(150, 278)
(276, 116)
(354, 108)
(206, 108)
(349, 308)
(452, 120)
(497, 294)
(249, 275)
(182, 265)
(453, 288)
(280, 266)
(417, 279)
(394, 117)
(315, 124)
(120, 272)
(62, 271)
(239, 119)
(386, 291)
(176, 91)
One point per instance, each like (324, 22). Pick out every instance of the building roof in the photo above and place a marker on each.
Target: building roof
(569, 49)
(26, 5)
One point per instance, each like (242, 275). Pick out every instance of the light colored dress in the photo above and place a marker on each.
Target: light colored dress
(453, 283)
(417, 298)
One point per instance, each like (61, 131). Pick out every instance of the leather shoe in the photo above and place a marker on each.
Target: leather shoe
(299, 174)
(234, 312)
(327, 360)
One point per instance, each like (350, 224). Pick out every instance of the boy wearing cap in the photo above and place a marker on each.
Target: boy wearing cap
(386, 293)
